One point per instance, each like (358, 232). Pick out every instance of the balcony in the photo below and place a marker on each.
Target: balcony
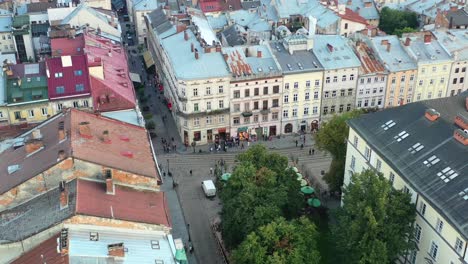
(247, 113)
(265, 111)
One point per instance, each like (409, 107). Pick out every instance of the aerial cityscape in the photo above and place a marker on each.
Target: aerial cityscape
(234, 131)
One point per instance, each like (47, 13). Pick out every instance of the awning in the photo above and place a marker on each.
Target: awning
(36, 92)
(148, 59)
(242, 129)
(180, 255)
(135, 77)
(222, 130)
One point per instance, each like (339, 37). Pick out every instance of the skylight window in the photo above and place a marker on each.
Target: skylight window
(431, 161)
(13, 168)
(388, 125)
(464, 194)
(447, 174)
(403, 134)
(415, 148)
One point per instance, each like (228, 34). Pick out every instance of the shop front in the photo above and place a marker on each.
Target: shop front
(242, 133)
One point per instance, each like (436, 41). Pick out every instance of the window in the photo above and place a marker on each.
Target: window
(236, 107)
(351, 77)
(462, 79)
(208, 120)
(431, 81)
(417, 233)
(350, 91)
(195, 91)
(256, 91)
(79, 87)
(221, 119)
(317, 82)
(265, 104)
(58, 75)
(1, 114)
(353, 162)
(391, 178)
(264, 118)
(378, 166)
(294, 112)
(434, 69)
(341, 109)
(295, 97)
(307, 84)
(220, 89)
(423, 70)
(155, 244)
(439, 225)
(255, 105)
(361, 80)
(255, 118)
(247, 106)
(59, 89)
(94, 236)
(367, 153)
(314, 109)
(43, 111)
(325, 110)
(342, 92)
(348, 107)
(221, 104)
(457, 70)
(236, 94)
(421, 82)
(208, 105)
(275, 103)
(17, 115)
(307, 96)
(247, 120)
(276, 89)
(346, 26)
(369, 80)
(158, 261)
(208, 90)
(333, 93)
(316, 95)
(31, 113)
(59, 106)
(412, 257)
(75, 104)
(195, 107)
(433, 250)
(78, 72)
(422, 208)
(296, 85)
(286, 86)
(454, 80)
(359, 103)
(459, 245)
(429, 95)
(306, 110)
(285, 113)
(274, 116)
(335, 79)
(463, 69)
(343, 78)
(286, 98)
(327, 80)
(265, 90)
(196, 121)
(355, 141)
(439, 94)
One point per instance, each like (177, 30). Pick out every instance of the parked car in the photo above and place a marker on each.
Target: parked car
(209, 188)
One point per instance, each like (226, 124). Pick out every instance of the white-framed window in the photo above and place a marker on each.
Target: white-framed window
(85, 103)
(353, 162)
(285, 113)
(196, 121)
(433, 250)
(221, 119)
(43, 111)
(391, 178)
(378, 166)
(439, 225)
(94, 236)
(155, 244)
(327, 80)
(1, 114)
(343, 78)
(422, 208)
(220, 89)
(286, 86)
(306, 110)
(296, 85)
(367, 153)
(208, 105)
(76, 104)
(307, 84)
(417, 232)
(208, 90)
(355, 141)
(314, 110)
(31, 113)
(307, 95)
(317, 82)
(335, 79)
(286, 98)
(59, 106)
(412, 257)
(351, 77)
(458, 245)
(195, 91)
(294, 112)
(221, 104)
(58, 74)
(208, 120)
(295, 97)
(195, 107)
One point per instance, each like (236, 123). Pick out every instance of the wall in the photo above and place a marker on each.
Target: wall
(432, 80)
(458, 75)
(352, 27)
(40, 111)
(105, 4)
(7, 43)
(400, 87)
(80, 102)
(371, 91)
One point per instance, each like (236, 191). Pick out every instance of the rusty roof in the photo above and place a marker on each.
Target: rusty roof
(369, 62)
(45, 252)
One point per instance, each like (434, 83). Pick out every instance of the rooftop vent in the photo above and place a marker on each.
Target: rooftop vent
(13, 168)
(415, 148)
(433, 160)
(388, 125)
(464, 194)
(127, 154)
(432, 115)
(403, 134)
(447, 174)
(106, 137)
(18, 143)
(461, 136)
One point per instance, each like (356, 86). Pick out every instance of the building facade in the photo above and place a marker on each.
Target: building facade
(7, 43)
(412, 145)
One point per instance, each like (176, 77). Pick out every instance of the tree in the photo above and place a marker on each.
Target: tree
(332, 137)
(375, 223)
(400, 32)
(392, 20)
(280, 242)
(260, 189)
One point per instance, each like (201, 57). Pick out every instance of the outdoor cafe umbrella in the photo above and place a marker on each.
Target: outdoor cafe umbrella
(303, 182)
(307, 190)
(295, 169)
(225, 176)
(181, 255)
(299, 176)
(314, 202)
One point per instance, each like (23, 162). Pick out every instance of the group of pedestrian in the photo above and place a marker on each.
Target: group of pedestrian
(168, 146)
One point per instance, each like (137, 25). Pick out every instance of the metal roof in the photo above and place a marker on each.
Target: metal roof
(299, 61)
(334, 52)
(397, 59)
(455, 41)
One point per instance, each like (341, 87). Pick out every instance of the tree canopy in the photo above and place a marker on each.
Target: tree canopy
(332, 137)
(280, 242)
(375, 223)
(396, 22)
(260, 189)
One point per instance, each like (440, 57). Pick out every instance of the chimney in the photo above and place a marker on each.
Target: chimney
(61, 131)
(349, 2)
(181, 27)
(427, 38)
(110, 187)
(461, 136)
(196, 54)
(259, 53)
(61, 155)
(34, 145)
(330, 47)
(407, 41)
(109, 53)
(389, 46)
(218, 48)
(192, 47)
(84, 130)
(384, 42)
(116, 250)
(454, 8)
(226, 57)
(461, 121)
(63, 195)
(105, 137)
(186, 37)
(36, 134)
(432, 115)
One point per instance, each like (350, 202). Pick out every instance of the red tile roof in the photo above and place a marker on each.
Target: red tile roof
(127, 204)
(69, 79)
(97, 151)
(369, 63)
(353, 16)
(45, 252)
(67, 46)
(115, 91)
(208, 6)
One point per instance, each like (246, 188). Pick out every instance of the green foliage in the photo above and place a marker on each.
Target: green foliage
(375, 224)
(150, 125)
(332, 137)
(148, 116)
(392, 20)
(280, 242)
(400, 32)
(259, 191)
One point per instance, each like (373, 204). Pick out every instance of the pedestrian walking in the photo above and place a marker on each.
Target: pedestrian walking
(302, 146)
(313, 151)
(304, 139)
(248, 143)
(211, 170)
(296, 143)
(310, 151)
(190, 172)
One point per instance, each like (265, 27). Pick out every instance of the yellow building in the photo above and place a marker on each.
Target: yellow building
(434, 64)
(422, 152)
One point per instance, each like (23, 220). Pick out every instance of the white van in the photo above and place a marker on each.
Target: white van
(209, 188)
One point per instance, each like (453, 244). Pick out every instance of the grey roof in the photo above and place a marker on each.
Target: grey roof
(359, 6)
(454, 41)
(397, 59)
(263, 66)
(232, 37)
(459, 17)
(41, 7)
(342, 56)
(159, 21)
(437, 139)
(217, 22)
(299, 59)
(5, 23)
(36, 215)
(142, 5)
(425, 52)
(250, 4)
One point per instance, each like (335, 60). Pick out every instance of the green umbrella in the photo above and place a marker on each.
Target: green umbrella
(307, 190)
(180, 255)
(303, 182)
(295, 169)
(314, 202)
(225, 176)
(299, 176)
